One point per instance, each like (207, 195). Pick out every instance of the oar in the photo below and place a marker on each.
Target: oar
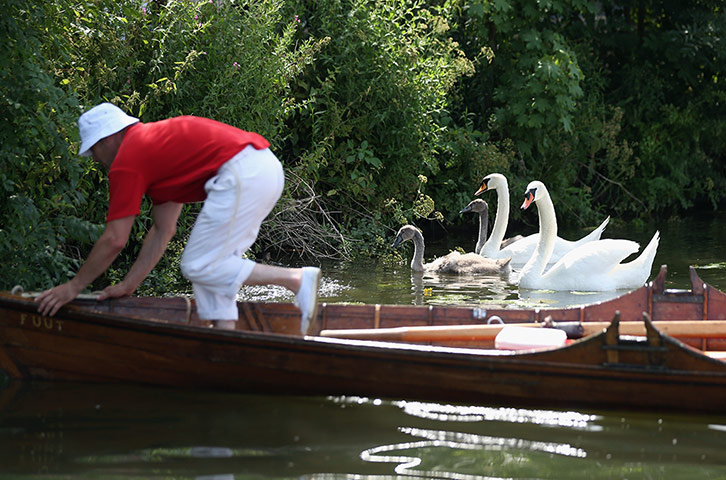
(80, 296)
(18, 290)
(460, 333)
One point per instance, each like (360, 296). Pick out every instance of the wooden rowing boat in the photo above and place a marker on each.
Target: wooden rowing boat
(160, 341)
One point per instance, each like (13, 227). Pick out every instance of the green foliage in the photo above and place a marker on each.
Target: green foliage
(667, 63)
(614, 105)
(375, 102)
(229, 61)
(534, 79)
(41, 188)
(383, 113)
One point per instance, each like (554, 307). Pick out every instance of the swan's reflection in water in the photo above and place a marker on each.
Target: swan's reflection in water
(475, 290)
(429, 288)
(553, 298)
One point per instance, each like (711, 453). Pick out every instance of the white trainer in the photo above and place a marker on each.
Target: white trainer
(306, 298)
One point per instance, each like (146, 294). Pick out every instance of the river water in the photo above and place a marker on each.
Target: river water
(63, 431)
(700, 243)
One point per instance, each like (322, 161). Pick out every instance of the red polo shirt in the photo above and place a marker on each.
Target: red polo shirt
(171, 160)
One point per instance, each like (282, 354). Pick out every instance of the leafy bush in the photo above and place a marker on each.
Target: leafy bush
(613, 105)
(232, 62)
(666, 65)
(41, 187)
(374, 106)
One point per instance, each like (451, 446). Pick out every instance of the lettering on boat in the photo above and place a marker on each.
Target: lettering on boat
(39, 321)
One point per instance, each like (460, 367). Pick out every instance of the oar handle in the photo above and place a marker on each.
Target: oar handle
(454, 333)
(18, 290)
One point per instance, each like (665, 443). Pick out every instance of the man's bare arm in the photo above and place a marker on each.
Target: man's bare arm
(155, 243)
(104, 252)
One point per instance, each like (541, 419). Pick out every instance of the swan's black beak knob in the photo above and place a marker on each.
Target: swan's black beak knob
(483, 187)
(528, 198)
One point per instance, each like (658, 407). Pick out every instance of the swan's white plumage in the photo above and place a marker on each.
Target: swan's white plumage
(453, 262)
(594, 266)
(521, 251)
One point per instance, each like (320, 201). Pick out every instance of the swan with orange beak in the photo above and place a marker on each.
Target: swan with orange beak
(595, 266)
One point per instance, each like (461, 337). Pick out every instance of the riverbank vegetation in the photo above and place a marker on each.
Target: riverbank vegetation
(382, 112)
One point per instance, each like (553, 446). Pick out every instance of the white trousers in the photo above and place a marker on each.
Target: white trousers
(244, 191)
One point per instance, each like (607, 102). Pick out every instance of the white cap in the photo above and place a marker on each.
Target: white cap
(100, 122)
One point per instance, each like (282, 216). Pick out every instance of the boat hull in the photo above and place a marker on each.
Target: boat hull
(91, 342)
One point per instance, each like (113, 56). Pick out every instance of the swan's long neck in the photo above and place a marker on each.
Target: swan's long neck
(547, 235)
(418, 252)
(483, 230)
(500, 221)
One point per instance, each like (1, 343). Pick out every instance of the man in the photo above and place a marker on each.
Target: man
(177, 161)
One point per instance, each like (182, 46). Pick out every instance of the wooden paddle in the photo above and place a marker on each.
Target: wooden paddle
(453, 333)
(80, 296)
(18, 290)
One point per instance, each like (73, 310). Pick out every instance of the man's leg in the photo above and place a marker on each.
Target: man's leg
(304, 282)
(239, 199)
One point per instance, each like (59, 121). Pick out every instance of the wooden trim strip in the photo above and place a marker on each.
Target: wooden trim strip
(324, 315)
(704, 342)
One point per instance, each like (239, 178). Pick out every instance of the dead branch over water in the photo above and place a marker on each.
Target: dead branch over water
(300, 225)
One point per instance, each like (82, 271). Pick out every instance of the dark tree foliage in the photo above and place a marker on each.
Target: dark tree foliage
(383, 113)
(618, 105)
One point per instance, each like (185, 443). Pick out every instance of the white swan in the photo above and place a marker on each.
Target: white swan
(594, 266)
(522, 250)
(481, 207)
(453, 262)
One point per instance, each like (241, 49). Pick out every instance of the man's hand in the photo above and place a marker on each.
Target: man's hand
(104, 251)
(52, 300)
(114, 291)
